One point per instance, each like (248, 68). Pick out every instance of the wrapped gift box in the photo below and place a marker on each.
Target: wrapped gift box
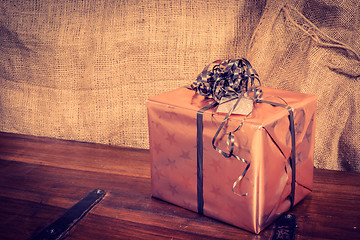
(263, 140)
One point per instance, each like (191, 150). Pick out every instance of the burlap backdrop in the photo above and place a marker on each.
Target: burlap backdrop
(82, 70)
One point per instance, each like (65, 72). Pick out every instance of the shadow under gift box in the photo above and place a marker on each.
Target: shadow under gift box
(264, 140)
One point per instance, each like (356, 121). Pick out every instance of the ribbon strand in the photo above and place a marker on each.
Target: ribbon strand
(234, 79)
(229, 78)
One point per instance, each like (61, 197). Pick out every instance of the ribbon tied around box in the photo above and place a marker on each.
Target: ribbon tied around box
(233, 82)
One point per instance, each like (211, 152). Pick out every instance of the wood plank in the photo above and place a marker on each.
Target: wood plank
(74, 155)
(40, 178)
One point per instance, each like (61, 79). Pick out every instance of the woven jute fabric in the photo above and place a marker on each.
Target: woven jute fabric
(82, 70)
(318, 57)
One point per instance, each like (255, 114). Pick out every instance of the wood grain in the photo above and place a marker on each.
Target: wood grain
(40, 178)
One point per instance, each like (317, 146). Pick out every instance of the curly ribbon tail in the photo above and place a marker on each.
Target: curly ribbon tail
(239, 179)
(231, 143)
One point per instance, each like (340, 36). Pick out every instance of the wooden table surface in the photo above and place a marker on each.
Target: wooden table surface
(40, 178)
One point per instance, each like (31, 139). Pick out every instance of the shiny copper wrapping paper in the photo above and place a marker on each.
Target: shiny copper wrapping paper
(264, 140)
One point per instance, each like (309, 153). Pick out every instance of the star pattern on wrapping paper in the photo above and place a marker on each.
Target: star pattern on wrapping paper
(171, 163)
(173, 189)
(299, 157)
(215, 164)
(299, 119)
(171, 115)
(216, 191)
(155, 123)
(274, 125)
(158, 173)
(299, 127)
(188, 121)
(171, 138)
(158, 148)
(245, 150)
(185, 154)
(309, 130)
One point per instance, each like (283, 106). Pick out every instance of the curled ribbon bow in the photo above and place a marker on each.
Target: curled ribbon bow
(229, 78)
